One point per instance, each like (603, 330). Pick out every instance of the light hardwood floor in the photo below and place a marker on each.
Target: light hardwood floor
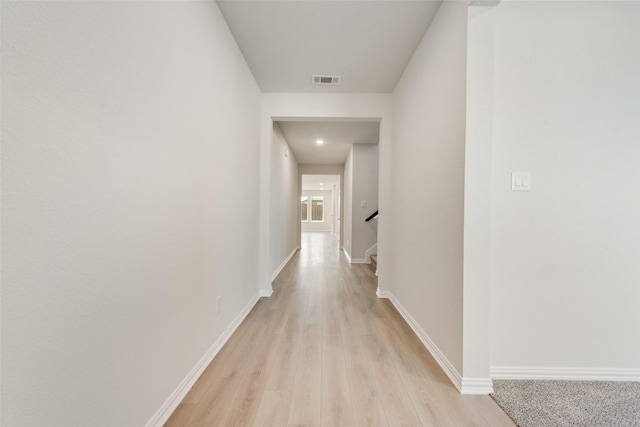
(323, 350)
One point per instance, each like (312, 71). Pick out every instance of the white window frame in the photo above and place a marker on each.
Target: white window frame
(310, 208)
(304, 200)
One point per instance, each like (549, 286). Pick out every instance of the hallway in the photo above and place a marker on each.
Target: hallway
(324, 350)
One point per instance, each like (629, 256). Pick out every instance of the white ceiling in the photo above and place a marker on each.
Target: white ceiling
(337, 137)
(320, 182)
(367, 43)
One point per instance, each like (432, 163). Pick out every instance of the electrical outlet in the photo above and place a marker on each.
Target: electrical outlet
(520, 181)
(218, 300)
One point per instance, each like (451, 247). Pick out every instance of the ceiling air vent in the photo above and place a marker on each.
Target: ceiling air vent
(325, 80)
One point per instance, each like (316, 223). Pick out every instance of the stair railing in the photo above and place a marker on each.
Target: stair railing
(372, 216)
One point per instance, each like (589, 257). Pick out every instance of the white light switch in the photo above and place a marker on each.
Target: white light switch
(520, 181)
(363, 204)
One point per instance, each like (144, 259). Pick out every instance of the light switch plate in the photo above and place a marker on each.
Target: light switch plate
(520, 181)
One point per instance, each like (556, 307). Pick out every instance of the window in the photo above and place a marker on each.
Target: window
(312, 208)
(317, 209)
(304, 205)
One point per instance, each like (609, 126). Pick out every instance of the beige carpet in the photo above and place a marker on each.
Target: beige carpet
(569, 403)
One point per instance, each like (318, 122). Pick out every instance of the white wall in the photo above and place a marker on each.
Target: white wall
(477, 202)
(566, 255)
(335, 199)
(428, 182)
(347, 219)
(325, 224)
(364, 189)
(284, 201)
(129, 203)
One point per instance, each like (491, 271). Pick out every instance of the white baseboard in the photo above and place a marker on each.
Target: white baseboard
(284, 263)
(352, 260)
(383, 294)
(266, 292)
(181, 391)
(570, 374)
(347, 255)
(309, 228)
(442, 360)
(476, 386)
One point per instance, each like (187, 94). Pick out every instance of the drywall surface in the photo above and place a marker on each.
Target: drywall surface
(347, 219)
(477, 200)
(428, 182)
(129, 204)
(284, 200)
(325, 224)
(566, 254)
(364, 188)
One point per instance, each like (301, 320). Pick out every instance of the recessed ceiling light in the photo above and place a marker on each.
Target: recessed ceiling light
(319, 142)
(321, 184)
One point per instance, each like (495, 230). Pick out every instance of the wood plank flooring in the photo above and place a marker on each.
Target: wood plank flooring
(323, 350)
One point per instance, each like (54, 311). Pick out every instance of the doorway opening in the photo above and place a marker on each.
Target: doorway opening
(335, 189)
(320, 204)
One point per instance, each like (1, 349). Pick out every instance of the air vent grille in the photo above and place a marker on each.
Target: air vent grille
(325, 80)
